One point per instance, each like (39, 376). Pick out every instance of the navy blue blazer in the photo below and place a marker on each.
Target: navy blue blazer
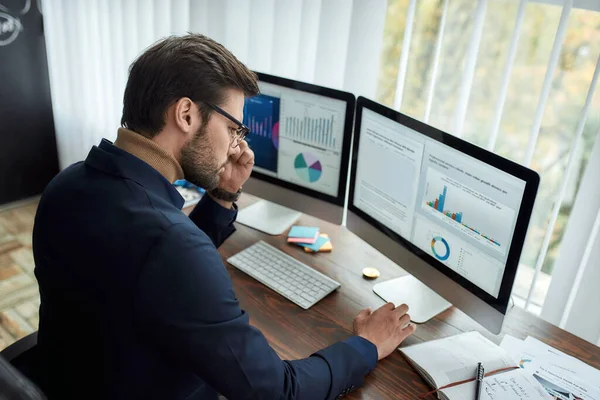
(137, 304)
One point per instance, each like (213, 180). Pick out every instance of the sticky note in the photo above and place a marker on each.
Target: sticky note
(327, 247)
(303, 240)
(321, 241)
(303, 232)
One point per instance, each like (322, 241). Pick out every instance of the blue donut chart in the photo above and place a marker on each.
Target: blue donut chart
(441, 257)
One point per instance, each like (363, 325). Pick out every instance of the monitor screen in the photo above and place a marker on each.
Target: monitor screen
(297, 136)
(459, 210)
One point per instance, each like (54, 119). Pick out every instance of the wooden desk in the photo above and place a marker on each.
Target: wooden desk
(297, 333)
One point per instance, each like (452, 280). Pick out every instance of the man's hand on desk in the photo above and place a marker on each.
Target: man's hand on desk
(383, 327)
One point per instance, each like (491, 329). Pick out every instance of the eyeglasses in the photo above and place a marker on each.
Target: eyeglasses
(240, 133)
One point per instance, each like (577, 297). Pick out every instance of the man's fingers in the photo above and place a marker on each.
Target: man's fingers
(401, 310)
(365, 312)
(405, 319)
(242, 147)
(409, 330)
(247, 157)
(402, 334)
(235, 157)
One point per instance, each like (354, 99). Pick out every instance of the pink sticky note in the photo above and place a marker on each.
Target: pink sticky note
(303, 240)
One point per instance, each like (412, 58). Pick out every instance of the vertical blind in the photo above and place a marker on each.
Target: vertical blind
(91, 44)
(334, 43)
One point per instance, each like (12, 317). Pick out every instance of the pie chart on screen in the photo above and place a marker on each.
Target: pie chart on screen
(308, 167)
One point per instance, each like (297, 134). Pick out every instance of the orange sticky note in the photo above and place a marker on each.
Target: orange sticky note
(327, 247)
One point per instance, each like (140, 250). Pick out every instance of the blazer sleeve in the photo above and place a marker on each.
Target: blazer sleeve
(214, 220)
(186, 308)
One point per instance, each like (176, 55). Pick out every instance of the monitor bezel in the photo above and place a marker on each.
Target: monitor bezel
(530, 177)
(345, 152)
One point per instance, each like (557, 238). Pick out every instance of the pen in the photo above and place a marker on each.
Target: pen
(479, 379)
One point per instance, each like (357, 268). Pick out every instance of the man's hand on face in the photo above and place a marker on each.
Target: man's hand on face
(238, 169)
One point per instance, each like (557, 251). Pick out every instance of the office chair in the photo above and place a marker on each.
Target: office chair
(14, 385)
(17, 357)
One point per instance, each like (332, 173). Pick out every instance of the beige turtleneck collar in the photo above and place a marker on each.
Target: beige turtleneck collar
(149, 152)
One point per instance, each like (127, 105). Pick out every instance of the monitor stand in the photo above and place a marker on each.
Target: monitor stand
(423, 303)
(268, 217)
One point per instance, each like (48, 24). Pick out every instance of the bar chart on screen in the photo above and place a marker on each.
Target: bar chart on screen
(314, 125)
(317, 131)
(470, 212)
(261, 115)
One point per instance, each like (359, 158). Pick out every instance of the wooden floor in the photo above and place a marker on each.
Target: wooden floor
(19, 295)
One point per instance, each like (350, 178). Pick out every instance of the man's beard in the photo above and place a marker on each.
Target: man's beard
(199, 163)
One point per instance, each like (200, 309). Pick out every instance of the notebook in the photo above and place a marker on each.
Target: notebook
(454, 359)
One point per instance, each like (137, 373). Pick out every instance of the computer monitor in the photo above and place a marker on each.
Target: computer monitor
(448, 212)
(300, 135)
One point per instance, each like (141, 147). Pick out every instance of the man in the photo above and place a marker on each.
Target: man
(136, 301)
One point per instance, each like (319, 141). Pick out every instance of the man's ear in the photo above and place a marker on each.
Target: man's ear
(186, 114)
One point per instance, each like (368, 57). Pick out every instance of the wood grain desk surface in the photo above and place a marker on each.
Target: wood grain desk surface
(297, 333)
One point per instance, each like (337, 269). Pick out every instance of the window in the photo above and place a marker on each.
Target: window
(446, 33)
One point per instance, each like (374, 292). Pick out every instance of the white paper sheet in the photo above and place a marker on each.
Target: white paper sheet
(568, 363)
(563, 376)
(511, 385)
(559, 385)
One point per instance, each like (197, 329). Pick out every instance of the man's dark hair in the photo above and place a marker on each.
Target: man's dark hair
(193, 66)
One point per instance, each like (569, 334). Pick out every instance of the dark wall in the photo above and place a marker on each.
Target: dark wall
(28, 155)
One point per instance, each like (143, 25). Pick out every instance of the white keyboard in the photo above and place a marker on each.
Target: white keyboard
(284, 274)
